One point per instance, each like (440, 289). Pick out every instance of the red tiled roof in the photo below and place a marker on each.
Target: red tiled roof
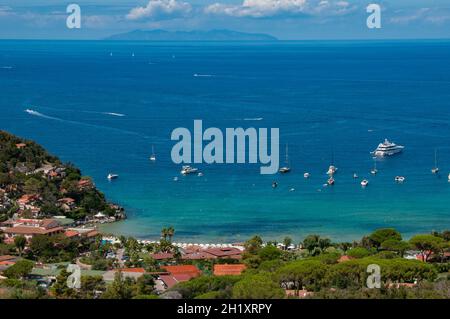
(197, 255)
(229, 269)
(160, 256)
(190, 270)
(168, 280)
(28, 230)
(223, 252)
(7, 257)
(7, 263)
(71, 233)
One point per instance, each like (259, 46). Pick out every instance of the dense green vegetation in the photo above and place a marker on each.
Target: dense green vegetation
(319, 270)
(26, 168)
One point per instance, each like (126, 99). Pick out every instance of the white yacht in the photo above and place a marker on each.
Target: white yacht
(449, 177)
(285, 169)
(188, 170)
(332, 170)
(306, 175)
(364, 182)
(112, 176)
(387, 149)
(153, 156)
(435, 169)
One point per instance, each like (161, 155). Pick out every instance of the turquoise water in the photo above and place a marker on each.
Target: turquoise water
(326, 97)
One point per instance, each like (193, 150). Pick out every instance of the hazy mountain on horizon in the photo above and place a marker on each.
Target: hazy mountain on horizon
(212, 35)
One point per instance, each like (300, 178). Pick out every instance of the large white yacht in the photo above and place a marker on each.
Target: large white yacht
(188, 170)
(387, 149)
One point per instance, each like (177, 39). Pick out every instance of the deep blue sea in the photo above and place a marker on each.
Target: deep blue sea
(335, 99)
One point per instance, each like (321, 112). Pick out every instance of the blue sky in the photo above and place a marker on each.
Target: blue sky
(285, 19)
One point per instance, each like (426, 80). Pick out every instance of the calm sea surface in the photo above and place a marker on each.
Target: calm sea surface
(102, 108)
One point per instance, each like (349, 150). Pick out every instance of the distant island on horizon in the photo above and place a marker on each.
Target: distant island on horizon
(212, 35)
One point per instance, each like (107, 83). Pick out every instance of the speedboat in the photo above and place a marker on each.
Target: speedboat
(112, 176)
(355, 175)
(306, 175)
(364, 182)
(186, 169)
(399, 179)
(387, 148)
(330, 181)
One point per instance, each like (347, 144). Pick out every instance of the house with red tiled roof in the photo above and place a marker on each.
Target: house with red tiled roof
(162, 256)
(224, 252)
(84, 184)
(28, 201)
(20, 145)
(31, 227)
(178, 273)
(228, 269)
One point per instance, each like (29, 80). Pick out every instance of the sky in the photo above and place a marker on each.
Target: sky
(284, 19)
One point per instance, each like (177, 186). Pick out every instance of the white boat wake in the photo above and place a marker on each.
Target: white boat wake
(38, 114)
(113, 114)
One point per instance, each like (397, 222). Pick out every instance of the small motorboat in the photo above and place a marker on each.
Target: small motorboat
(200, 174)
(399, 179)
(355, 175)
(330, 181)
(274, 185)
(306, 175)
(112, 176)
(364, 182)
(449, 177)
(284, 170)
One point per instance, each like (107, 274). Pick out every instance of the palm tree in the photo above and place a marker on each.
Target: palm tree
(170, 233)
(287, 241)
(164, 233)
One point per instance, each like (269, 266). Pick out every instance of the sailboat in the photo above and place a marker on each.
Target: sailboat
(374, 170)
(153, 156)
(285, 169)
(435, 169)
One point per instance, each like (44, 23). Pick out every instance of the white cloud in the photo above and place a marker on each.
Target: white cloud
(158, 8)
(270, 8)
(258, 8)
(5, 11)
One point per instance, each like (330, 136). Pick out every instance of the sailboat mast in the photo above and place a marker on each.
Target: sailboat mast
(287, 154)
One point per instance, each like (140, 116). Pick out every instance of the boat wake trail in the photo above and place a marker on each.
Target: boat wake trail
(203, 75)
(253, 119)
(113, 114)
(38, 114)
